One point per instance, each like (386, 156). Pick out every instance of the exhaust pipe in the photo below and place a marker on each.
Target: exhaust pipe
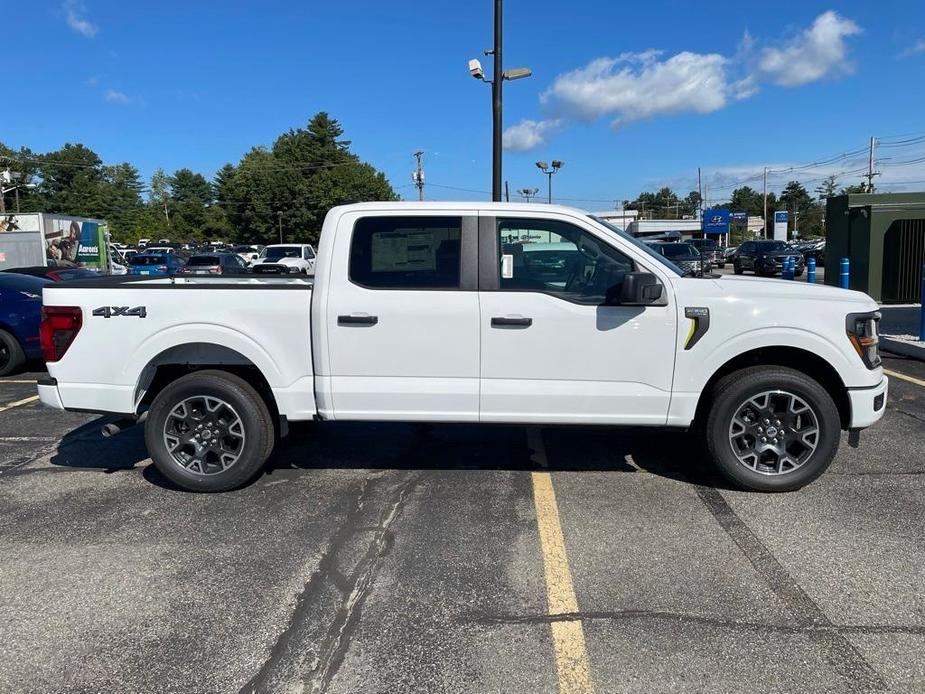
(112, 428)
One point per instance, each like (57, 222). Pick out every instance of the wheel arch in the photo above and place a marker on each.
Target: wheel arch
(796, 358)
(177, 361)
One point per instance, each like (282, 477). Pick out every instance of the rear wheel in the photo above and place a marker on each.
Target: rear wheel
(772, 429)
(209, 431)
(736, 268)
(12, 357)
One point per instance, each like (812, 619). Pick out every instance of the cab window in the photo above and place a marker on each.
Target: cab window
(406, 252)
(560, 259)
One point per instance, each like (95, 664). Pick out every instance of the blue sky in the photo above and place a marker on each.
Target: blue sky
(630, 95)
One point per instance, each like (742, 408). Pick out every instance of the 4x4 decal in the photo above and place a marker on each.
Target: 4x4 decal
(110, 311)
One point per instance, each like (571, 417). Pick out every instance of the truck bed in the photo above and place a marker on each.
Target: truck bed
(134, 325)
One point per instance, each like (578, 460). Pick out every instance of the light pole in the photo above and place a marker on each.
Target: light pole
(499, 75)
(9, 177)
(549, 171)
(528, 193)
(279, 216)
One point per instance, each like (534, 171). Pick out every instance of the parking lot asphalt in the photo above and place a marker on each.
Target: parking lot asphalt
(405, 558)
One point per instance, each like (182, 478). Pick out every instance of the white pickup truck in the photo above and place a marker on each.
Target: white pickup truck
(467, 312)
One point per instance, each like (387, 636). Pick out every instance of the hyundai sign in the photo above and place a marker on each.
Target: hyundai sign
(716, 221)
(780, 226)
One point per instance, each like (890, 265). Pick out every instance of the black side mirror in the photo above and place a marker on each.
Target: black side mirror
(637, 289)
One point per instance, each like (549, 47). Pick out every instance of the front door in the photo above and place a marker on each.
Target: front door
(403, 330)
(551, 351)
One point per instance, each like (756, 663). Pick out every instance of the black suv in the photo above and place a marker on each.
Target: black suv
(765, 258)
(710, 250)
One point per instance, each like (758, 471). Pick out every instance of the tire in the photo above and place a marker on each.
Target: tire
(225, 457)
(12, 357)
(736, 268)
(810, 455)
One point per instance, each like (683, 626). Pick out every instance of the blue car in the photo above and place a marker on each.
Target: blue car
(20, 316)
(155, 264)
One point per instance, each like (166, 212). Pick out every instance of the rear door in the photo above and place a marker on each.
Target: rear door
(402, 319)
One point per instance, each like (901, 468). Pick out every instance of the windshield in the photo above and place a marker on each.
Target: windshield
(679, 250)
(203, 261)
(765, 246)
(640, 245)
(277, 252)
(705, 244)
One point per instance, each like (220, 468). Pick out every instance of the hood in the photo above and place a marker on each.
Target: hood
(281, 261)
(770, 289)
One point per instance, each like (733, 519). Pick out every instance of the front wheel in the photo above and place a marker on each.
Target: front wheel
(209, 431)
(771, 429)
(736, 268)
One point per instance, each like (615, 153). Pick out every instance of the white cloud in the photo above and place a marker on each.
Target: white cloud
(812, 54)
(916, 48)
(114, 96)
(528, 134)
(636, 86)
(75, 15)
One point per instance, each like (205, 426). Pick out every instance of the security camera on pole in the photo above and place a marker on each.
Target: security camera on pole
(499, 75)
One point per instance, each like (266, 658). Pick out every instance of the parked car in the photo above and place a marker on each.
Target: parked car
(55, 274)
(155, 264)
(417, 315)
(684, 256)
(711, 250)
(286, 258)
(214, 264)
(20, 316)
(729, 251)
(249, 254)
(765, 258)
(812, 249)
(165, 250)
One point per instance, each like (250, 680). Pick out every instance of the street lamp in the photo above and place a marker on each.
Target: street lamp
(549, 171)
(499, 76)
(528, 193)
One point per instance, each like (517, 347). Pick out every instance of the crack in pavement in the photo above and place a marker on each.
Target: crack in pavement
(308, 653)
(690, 618)
(841, 654)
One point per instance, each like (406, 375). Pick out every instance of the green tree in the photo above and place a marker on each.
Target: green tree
(827, 188)
(305, 173)
(190, 196)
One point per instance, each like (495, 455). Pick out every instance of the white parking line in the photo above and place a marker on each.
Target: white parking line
(904, 377)
(24, 401)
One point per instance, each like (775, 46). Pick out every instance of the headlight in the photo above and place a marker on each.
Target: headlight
(864, 332)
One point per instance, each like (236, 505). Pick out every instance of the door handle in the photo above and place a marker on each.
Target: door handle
(511, 321)
(357, 320)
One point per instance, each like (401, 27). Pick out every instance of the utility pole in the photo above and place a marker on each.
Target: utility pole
(870, 168)
(507, 192)
(496, 124)
(766, 202)
(699, 194)
(417, 176)
(279, 215)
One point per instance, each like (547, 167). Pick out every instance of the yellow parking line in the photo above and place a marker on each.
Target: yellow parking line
(24, 401)
(13, 380)
(567, 634)
(904, 377)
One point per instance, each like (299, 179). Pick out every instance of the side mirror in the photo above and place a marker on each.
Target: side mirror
(638, 289)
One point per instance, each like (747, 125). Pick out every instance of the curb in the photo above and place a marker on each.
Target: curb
(905, 349)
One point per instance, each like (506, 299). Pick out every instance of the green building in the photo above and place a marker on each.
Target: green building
(883, 234)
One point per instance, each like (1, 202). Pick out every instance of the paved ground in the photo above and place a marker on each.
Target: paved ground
(440, 559)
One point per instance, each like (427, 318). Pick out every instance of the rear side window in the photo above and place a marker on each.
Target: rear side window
(148, 260)
(406, 252)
